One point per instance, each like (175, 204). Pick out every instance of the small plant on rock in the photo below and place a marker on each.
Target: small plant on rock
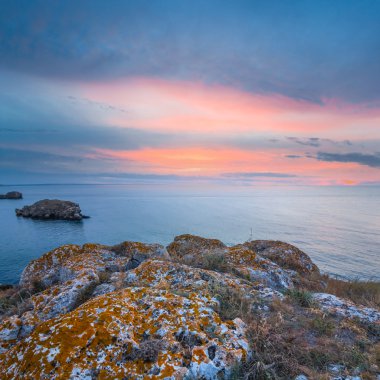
(301, 297)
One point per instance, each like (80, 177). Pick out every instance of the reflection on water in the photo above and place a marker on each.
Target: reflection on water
(338, 227)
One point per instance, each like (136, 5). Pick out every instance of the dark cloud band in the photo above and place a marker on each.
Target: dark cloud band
(372, 160)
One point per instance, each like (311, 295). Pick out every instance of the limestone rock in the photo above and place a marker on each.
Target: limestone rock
(138, 252)
(69, 275)
(250, 265)
(67, 262)
(141, 311)
(285, 255)
(191, 245)
(184, 279)
(138, 333)
(9, 332)
(103, 289)
(345, 308)
(245, 261)
(52, 209)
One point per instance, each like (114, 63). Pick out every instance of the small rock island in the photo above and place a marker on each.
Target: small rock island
(52, 209)
(11, 195)
(196, 309)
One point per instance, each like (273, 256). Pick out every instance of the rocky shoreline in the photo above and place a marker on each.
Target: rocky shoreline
(195, 309)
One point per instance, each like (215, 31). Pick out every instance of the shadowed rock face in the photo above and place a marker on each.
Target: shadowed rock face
(52, 209)
(139, 311)
(11, 195)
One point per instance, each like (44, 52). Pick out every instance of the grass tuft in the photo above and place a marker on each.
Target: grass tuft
(301, 297)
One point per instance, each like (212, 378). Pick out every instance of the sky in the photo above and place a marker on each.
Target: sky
(253, 92)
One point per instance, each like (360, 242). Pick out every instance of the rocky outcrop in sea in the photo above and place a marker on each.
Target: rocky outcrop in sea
(143, 311)
(11, 195)
(51, 209)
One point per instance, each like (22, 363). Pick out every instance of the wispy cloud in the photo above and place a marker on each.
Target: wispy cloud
(259, 175)
(318, 141)
(372, 160)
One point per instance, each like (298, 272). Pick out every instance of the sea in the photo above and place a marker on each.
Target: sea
(339, 227)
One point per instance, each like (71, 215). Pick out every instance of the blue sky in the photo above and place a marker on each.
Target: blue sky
(61, 61)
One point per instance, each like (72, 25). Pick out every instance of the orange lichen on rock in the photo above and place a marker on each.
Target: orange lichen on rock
(193, 245)
(286, 255)
(66, 262)
(9, 332)
(256, 268)
(172, 317)
(106, 336)
(184, 279)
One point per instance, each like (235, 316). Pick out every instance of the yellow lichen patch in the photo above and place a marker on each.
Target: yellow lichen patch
(60, 299)
(67, 262)
(185, 280)
(132, 248)
(9, 331)
(128, 248)
(36, 268)
(191, 245)
(106, 336)
(285, 255)
(241, 255)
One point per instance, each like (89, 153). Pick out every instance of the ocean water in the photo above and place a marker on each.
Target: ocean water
(339, 227)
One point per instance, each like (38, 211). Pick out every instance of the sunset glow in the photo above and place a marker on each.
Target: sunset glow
(118, 110)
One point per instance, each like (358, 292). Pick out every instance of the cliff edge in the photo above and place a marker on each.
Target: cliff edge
(196, 309)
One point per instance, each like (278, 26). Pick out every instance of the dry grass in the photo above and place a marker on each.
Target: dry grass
(14, 300)
(365, 293)
(292, 339)
(301, 297)
(215, 261)
(85, 294)
(104, 276)
(295, 337)
(232, 303)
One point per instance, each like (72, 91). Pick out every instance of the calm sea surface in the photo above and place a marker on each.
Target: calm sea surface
(338, 227)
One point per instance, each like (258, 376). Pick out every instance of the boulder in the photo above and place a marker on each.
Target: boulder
(133, 333)
(210, 285)
(71, 261)
(195, 250)
(285, 255)
(249, 264)
(191, 245)
(11, 195)
(138, 252)
(345, 308)
(52, 209)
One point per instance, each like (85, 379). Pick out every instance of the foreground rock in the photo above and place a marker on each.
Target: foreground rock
(11, 195)
(144, 311)
(52, 209)
(132, 333)
(284, 254)
(345, 308)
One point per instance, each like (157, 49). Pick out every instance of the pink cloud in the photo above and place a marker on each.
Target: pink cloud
(181, 107)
